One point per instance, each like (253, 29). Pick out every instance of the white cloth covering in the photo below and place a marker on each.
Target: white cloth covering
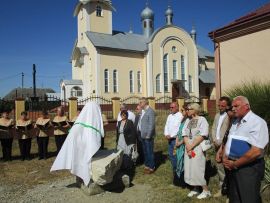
(82, 143)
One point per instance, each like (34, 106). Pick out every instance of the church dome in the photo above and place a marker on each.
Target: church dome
(147, 13)
(169, 11)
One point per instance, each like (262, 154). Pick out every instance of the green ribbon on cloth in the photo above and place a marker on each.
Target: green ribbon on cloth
(88, 126)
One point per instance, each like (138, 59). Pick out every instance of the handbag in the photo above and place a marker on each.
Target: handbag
(134, 154)
(205, 144)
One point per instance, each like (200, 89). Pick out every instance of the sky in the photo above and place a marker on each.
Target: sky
(43, 32)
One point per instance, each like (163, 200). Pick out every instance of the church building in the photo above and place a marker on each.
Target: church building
(163, 61)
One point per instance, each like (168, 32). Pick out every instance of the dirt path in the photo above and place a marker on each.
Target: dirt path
(65, 191)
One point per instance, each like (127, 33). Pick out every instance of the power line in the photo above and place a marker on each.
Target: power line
(9, 77)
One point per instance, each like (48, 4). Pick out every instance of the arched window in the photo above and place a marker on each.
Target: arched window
(106, 80)
(174, 69)
(190, 83)
(131, 81)
(183, 72)
(158, 83)
(115, 81)
(76, 92)
(165, 73)
(139, 81)
(98, 11)
(144, 24)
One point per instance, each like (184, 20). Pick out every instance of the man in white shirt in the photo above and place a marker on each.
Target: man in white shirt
(219, 128)
(131, 115)
(170, 131)
(246, 166)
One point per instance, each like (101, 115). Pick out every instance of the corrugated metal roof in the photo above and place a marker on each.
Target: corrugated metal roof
(207, 76)
(131, 42)
(72, 82)
(204, 53)
(118, 40)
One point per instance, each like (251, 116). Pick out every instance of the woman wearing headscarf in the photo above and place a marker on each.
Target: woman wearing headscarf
(195, 131)
(82, 142)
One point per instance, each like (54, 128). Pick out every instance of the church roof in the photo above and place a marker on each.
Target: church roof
(118, 40)
(203, 53)
(72, 82)
(207, 76)
(131, 42)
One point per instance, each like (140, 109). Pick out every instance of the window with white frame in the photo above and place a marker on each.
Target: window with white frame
(76, 92)
(139, 81)
(183, 72)
(106, 80)
(98, 11)
(115, 81)
(158, 83)
(131, 81)
(174, 69)
(165, 73)
(190, 83)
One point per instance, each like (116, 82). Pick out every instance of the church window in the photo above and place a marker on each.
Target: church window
(151, 24)
(98, 11)
(76, 92)
(139, 81)
(183, 72)
(131, 82)
(174, 69)
(106, 80)
(144, 24)
(115, 81)
(174, 49)
(190, 83)
(158, 83)
(165, 73)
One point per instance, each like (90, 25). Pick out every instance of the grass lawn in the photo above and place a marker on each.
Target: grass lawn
(28, 174)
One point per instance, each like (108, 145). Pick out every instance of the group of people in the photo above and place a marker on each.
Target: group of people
(25, 129)
(239, 138)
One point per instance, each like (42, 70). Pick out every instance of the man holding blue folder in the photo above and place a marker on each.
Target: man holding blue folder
(244, 153)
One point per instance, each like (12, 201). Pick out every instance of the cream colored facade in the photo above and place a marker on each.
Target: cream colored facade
(112, 71)
(244, 59)
(242, 50)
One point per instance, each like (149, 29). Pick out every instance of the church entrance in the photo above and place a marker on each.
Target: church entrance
(178, 89)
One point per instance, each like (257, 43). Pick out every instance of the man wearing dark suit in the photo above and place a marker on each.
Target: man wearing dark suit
(139, 110)
(147, 129)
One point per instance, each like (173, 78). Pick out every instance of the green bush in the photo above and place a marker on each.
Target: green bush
(258, 94)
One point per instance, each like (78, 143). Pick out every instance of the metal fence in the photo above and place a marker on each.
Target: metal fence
(131, 102)
(8, 105)
(162, 105)
(105, 104)
(35, 106)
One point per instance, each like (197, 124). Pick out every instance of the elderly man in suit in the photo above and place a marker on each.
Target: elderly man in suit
(146, 127)
(219, 128)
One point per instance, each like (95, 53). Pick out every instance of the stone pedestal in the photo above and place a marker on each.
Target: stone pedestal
(105, 173)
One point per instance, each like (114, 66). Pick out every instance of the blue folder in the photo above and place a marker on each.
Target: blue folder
(238, 148)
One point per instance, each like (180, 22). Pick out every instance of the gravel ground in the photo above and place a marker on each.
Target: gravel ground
(66, 191)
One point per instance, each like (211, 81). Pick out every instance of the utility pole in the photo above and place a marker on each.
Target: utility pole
(22, 83)
(34, 80)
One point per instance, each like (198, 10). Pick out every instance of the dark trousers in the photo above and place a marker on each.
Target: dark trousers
(25, 148)
(148, 149)
(59, 141)
(172, 157)
(245, 183)
(140, 159)
(42, 147)
(6, 148)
